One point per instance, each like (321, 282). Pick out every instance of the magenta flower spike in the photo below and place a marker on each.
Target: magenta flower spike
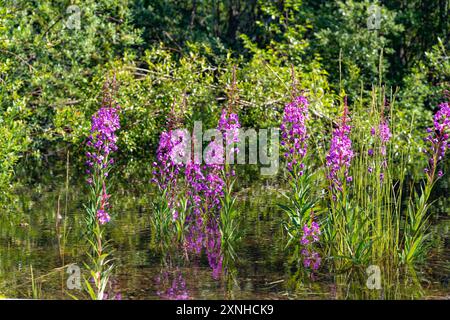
(102, 142)
(340, 154)
(293, 131)
(438, 140)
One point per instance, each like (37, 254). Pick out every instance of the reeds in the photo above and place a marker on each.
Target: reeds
(366, 216)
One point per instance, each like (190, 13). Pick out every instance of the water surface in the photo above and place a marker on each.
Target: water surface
(33, 244)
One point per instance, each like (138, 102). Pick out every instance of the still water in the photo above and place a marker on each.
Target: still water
(41, 234)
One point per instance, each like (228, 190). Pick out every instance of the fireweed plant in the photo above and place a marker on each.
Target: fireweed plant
(229, 126)
(363, 217)
(370, 221)
(367, 220)
(170, 205)
(362, 222)
(301, 226)
(416, 226)
(186, 212)
(212, 221)
(194, 200)
(341, 217)
(101, 143)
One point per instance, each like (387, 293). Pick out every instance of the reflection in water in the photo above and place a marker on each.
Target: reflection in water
(171, 285)
(262, 270)
(112, 291)
(401, 283)
(213, 248)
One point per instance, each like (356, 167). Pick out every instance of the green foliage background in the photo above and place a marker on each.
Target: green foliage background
(51, 75)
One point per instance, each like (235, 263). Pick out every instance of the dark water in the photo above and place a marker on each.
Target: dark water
(31, 237)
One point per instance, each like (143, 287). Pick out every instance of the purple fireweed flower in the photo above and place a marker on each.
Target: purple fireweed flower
(385, 136)
(229, 125)
(102, 216)
(214, 155)
(205, 191)
(311, 259)
(310, 234)
(214, 189)
(385, 132)
(340, 154)
(101, 142)
(438, 139)
(293, 131)
(442, 118)
(168, 166)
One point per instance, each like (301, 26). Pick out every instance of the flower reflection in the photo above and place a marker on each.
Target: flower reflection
(171, 286)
